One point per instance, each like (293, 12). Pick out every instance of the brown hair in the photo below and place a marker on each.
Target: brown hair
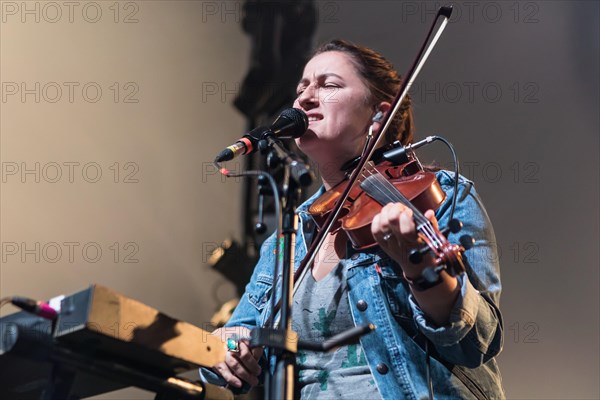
(383, 82)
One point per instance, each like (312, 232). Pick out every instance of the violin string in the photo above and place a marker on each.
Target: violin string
(423, 224)
(393, 195)
(390, 193)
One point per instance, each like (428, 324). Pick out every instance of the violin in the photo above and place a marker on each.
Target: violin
(421, 188)
(386, 183)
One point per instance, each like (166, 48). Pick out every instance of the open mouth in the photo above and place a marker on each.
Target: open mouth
(314, 117)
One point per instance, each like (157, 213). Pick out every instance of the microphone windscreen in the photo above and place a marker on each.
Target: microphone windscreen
(299, 119)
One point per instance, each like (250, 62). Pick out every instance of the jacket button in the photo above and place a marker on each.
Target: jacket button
(361, 305)
(382, 368)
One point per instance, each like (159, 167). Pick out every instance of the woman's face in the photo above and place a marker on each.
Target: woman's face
(334, 97)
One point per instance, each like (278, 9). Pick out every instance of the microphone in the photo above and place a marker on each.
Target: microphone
(290, 124)
(399, 155)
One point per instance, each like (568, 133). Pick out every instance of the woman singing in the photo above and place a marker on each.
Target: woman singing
(446, 334)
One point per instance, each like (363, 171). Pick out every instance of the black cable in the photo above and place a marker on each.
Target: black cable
(456, 173)
(275, 190)
(452, 209)
(39, 308)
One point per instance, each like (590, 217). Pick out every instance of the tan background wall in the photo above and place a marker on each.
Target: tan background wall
(152, 140)
(513, 85)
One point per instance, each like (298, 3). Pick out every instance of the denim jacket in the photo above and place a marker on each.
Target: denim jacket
(462, 363)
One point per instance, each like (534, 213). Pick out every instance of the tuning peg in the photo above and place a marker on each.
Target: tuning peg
(454, 226)
(416, 255)
(467, 241)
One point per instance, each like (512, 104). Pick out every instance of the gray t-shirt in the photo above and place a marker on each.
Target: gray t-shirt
(320, 311)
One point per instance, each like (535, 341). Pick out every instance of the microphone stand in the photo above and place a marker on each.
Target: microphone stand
(296, 175)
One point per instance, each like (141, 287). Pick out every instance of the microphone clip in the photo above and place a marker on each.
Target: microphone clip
(277, 155)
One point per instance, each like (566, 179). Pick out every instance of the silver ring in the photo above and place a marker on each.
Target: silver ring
(387, 236)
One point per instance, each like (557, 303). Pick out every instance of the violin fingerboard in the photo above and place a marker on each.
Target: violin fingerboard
(384, 192)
